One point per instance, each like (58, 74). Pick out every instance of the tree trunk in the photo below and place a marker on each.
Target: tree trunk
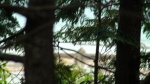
(128, 43)
(39, 59)
(97, 44)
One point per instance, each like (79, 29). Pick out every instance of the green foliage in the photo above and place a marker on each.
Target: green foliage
(71, 74)
(146, 18)
(70, 15)
(107, 79)
(4, 74)
(81, 28)
(8, 23)
(81, 75)
(63, 73)
(147, 29)
(145, 60)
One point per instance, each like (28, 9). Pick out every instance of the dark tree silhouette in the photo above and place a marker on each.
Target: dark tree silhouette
(39, 59)
(128, 49)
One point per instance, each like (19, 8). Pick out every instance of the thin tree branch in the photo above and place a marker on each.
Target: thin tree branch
(16, 76)
(97, 44)
(76, 52)
(18, 9)
(38, 29)
(10, 57)
(76, 41)
(13, 36)
(26, 11)
(100, 67)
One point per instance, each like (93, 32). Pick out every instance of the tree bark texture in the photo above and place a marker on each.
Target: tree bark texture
(128, 43)
(39, 59)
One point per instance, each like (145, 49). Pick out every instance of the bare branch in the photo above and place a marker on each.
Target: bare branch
(76, 52)
(10, 57)
(100, 67)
